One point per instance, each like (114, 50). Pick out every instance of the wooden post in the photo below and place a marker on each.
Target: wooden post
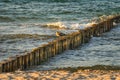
(40, 58)
(51, 47)
(66, 41)
(85, 33)
(3, 66)
(75, 41)
(7, 66)
(26, 60)
(82, 36)
(57, 48)
(45, 53)
(21, 62)
(41, 54)
(54, 48)
(36, 56)
(101, 27)
(111, 23)
(71, 42)
(59, 45)
(13, 63)
(97, 30)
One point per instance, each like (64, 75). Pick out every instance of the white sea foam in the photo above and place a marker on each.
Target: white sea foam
(82, 26)
(55, 25)
(70, 25)
(73, 26)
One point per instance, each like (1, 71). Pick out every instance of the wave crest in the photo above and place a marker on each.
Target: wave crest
(74, 26)
(58, 25)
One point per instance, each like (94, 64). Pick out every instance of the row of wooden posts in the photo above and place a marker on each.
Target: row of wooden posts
(62, 43)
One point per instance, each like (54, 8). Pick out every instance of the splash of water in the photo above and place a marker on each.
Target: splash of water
(74, 25)
(58, 25)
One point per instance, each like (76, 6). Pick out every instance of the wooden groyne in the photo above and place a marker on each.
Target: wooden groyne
(62, 43)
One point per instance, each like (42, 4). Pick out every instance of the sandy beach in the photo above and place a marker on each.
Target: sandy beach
(86, 74)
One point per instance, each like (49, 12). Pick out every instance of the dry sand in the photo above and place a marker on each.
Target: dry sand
(62, 75)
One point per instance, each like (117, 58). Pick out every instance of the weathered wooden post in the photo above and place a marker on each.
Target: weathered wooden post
(104, 26)
(41, 54)
(74, 40)
(108, 25)
(71, 42)
(111, 24)
(46, 51)
(18, 61)
(54, 48)
(22, 62)
(64, 43)
(82, 36)
(13, 63)
(3, 66)
(36, 56)
(57, 45)
(97, 30)
(51, 48)
(101, 27)
(26, 60)
(85, 33)
(39, 57)
(60, 43)
(93, 29)
(68, 41)
(44, 56)
(89, 33)
(7, 66)
(76, 43)
(78, 39)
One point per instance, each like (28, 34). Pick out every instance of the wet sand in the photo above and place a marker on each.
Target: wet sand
(86, 74)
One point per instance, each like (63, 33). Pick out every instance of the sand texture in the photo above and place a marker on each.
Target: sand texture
(62, 75)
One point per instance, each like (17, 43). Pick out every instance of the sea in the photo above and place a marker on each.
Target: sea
(26, 24)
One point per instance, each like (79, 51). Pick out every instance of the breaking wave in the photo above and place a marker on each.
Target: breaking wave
(62, 25)
(65, 25)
